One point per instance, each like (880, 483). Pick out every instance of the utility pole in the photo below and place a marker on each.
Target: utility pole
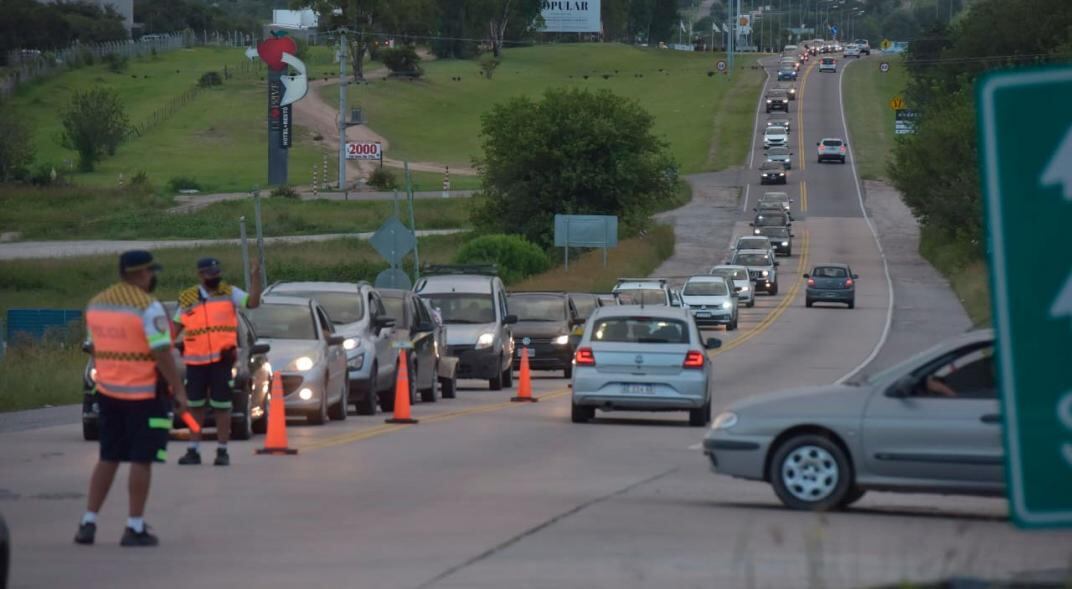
(342, 110)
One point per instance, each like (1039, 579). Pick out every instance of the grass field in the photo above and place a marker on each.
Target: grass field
(437, 119)
(867, 93)
(636, 256)
(218, 139)
(967, 274)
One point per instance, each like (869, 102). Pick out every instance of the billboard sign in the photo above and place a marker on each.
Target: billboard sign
(570, 16)
(364, 150)
(904, 122)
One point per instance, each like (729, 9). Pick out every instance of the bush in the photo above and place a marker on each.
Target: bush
(117, 64)
(140, 182)
(488, 63)
(42, 174)
(402, 61)
(516, 258)
(383, 179)
(284, 191)
(16, 150)
(183, 183)
(209, 79)
(94, 124)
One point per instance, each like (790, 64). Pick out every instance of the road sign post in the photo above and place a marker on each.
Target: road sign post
(1025, 136)
(897, 103)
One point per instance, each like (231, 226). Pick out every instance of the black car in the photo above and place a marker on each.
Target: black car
(789, 88)
(251, 383)
(781, 239)
(772, 173)
(770, 219)
(545, 322)
(777, 100)
(414, 330)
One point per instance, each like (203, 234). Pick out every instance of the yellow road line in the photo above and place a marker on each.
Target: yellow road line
(803, 196)
(390, 428)
(779, 309)
(800, 116)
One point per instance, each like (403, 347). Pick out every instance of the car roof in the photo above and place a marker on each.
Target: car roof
(656, 311)
(729, 266)
(754, 251)
(778, 195)
(831, 265)
(705, 278)
(832, 139)
(446, 283)
(284, 300)
(660, 284)
(282, 287)
(542, 293)
(743, 237)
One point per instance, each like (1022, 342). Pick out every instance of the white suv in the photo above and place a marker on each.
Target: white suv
(852, 51)
(642, 291)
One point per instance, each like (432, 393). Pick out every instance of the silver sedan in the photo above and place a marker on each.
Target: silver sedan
(930, 424)
(642, 359)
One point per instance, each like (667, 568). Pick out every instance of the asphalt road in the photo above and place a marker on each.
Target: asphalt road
(488, 494)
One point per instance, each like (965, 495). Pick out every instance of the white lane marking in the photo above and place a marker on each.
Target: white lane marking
(755, 131)
(696, 447)
(874, 233)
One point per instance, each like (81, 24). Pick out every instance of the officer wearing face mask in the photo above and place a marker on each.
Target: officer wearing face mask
(208, 321)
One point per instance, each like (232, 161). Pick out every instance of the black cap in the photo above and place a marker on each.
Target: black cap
(134, 260)
(208, 266)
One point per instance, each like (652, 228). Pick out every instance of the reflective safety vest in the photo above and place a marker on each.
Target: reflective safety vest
(125, 366)
(210, 325)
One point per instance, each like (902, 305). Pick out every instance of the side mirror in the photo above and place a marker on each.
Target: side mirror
(817, 143)
(260, 348)
(792, 235)
(336, 340)
(777, 263)
(751, 224)
(902, 388)
(510, 320)
(713, 343)
(382, 323)
(807, 276)
(87, 347)
(577, 321)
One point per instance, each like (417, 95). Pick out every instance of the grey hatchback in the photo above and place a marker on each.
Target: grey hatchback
(831, 283)
(930, 424)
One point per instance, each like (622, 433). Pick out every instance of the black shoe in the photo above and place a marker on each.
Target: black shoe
(86, 533)
(191, 457)
(143, 538)
(222, 458)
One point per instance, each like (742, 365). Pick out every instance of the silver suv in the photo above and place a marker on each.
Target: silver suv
(357, 313)
(472, 302)
(761, 268)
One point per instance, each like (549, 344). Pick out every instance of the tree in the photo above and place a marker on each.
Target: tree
(402, 61)
(16, 150)
(94, 125)
(573, 151)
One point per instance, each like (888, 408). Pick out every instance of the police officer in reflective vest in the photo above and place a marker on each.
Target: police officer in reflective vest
(131, 345)
(208, 318)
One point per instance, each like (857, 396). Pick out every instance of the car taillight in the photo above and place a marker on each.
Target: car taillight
(842, 149)
(811, 282)
(694, 359)
(584, 357)
(848, 282)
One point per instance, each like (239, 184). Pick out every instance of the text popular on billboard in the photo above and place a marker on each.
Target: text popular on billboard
(364, 150)
(570, 16)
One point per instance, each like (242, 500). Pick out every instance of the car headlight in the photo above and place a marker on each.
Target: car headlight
(305, 394)
(764, 273)
(727, 305)
(724, 420)
(485, 340)
(768, 101)
(302, 364)
(781, 173)
(561, 340)
(744, 289)
(351, 343)
(785, 243)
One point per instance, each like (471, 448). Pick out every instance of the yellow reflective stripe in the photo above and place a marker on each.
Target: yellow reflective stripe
(161, 455)
(219, 404)
(159, 423)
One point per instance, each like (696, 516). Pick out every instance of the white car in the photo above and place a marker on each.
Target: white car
(780, 155)
(852, 51)
(642, 291)
(774, 136)
(738, 276)
(711, 300)
(828, 64)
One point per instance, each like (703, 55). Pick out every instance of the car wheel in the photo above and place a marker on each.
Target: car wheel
(367, 406)
(773, 289)
(700, 417)
(496, 383)
(429, 395)
(242, 427)
(413, 393)
(854, 495)
(752, 303)
(810, 472)
(842, 160)
(808, 303)
(449, 387)
(579, 414)
(508, 377)
(852, 304)
(90, 430)
(732, 325)
(320, 415)
(567, 372)
(340, 411)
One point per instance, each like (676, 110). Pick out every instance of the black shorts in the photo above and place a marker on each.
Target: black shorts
(212, 382)
(134, 431)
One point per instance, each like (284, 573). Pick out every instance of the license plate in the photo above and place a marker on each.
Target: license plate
(532, 352)
(638, 389)
(703, 314)
(830, 295)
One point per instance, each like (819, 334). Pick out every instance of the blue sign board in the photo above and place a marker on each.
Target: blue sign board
(586, 231)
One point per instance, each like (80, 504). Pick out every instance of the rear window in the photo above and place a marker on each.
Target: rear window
(829, 272)
(832, 142)
(702, 288)
(640, 330)
(752, 260)
(641, 296)
(828, 60)
(731, 273)
(775, 231)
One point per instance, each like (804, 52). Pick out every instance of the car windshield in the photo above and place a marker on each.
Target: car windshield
(463, 307)
(772, 167)
(829, 272)
(342, 307)
(767, 220)
(394, 306)
(751, 243)
(752, 260)
(702, 288)
(640, 330)
(778, 151)
(775, 130)
(828, 60)
(731, 273)
(775, 231)
(275, 321)
(537, 307)
(832, 142)
(585, 304)
(773, 200)
(641, 296)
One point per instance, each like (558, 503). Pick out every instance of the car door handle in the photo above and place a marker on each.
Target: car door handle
(991, 418)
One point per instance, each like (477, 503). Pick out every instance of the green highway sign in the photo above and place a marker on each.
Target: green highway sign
(1025, 148)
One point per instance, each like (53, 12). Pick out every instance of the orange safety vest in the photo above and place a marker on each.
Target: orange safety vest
(125, 366)
(210, 326)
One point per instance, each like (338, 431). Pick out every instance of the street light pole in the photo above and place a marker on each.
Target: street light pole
(342, 110)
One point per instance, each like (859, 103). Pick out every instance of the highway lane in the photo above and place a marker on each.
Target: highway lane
(485, 493)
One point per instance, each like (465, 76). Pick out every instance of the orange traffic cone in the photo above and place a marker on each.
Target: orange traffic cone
(402, 392)
(524, 385)
(276, 440)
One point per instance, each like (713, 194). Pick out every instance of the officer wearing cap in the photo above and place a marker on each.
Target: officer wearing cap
(130, 336)
(208, 320)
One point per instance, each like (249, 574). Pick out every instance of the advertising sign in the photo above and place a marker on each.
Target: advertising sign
(364, 150)
(284, 127)
(904, 121)
(571, 16)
